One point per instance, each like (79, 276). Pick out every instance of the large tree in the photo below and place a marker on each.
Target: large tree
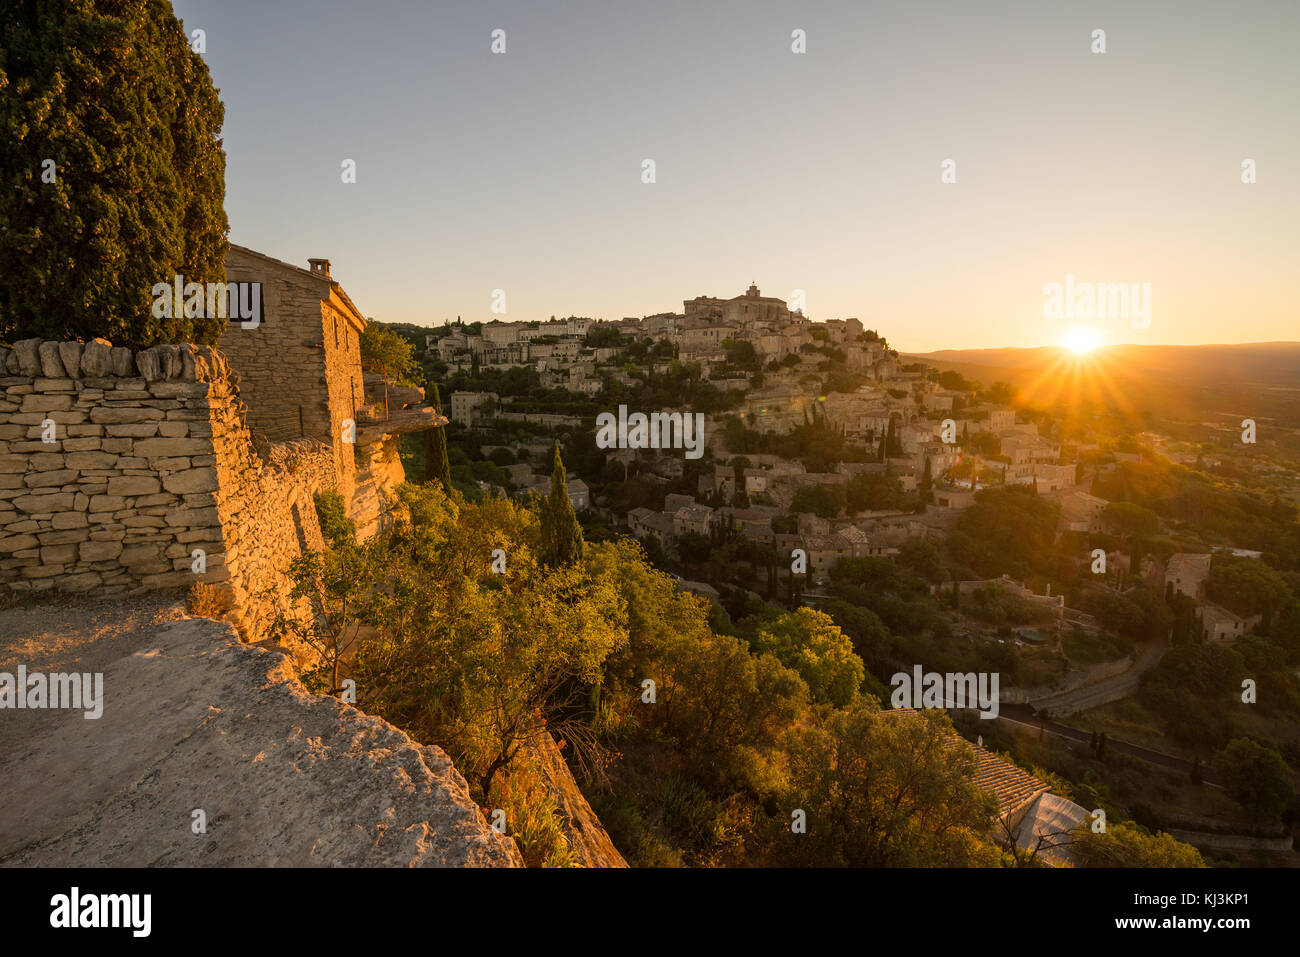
(112, 177)
(436, 463)
(884, 790)
(1256, 776)
(562, 542)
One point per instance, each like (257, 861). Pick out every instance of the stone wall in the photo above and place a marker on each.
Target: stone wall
(151, 459)
(265, 504)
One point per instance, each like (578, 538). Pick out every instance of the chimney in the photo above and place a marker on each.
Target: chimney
(320, 267)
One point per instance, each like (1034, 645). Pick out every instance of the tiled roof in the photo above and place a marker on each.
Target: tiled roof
(1186, 563)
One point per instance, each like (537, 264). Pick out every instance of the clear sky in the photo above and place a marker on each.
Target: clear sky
(820, 171)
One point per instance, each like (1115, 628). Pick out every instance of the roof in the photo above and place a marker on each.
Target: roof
(1186, 563)
(852, 533)
(1212, 614)
(693, 513)
(826, 543)
(333, 289)
(1051, 818)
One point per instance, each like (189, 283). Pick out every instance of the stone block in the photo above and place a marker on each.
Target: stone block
(99, 551)
(132, 485)
(70, 356)
(51, 364)
(195, 480)
(48, 479)
(96, 358)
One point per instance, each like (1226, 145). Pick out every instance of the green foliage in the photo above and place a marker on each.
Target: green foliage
(332, 513)
(1007, 531)
(826, 501)
(1127, 845)
(1244, 518)
(533, 818)
(875, 491)
(1247, 586)
(389, 354)
(921, 558)
(818, 444)
(113, 94)
(1137, 614)
(1192, 690)
(436, 463)
(562, 542)
(884, 790)
(1130, 520)
(1256, 777)
(451, 652)
(810, 643)
(603, 336)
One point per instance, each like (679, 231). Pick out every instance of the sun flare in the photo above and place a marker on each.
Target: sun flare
(1080, 340)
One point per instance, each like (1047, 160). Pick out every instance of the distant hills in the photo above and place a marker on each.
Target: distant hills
(1195, 383)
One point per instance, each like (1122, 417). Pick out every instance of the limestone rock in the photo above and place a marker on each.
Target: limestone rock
(169, 360)
(51, 364)
(286, 778)
(121, 361)
(96, 358)
(149, 364)
(193, 480)
(132, 485)
(29, 361)
(587, 837)
(70, 356)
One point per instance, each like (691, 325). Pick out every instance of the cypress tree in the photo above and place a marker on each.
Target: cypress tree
(562, 541)
(112, 178)
(927, 484)
(436, 464)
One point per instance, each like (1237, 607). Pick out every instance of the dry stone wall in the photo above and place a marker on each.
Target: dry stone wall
(122, 473)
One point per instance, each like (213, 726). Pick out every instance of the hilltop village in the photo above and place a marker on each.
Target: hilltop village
(820, 443)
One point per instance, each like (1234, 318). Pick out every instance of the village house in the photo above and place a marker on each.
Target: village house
(465, 406)
(647, 523)
(696, 519)
(1186, 574)
(1080, 512)
(1220, 624)
(300, 377)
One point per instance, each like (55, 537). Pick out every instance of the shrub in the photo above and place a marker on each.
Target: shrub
(207, 601)
(332, 513)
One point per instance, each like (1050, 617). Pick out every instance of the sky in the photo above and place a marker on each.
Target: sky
(818, 171)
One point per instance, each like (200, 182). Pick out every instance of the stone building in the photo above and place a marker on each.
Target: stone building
(744, 311)
(1186, 574)
(299, 374)
(300, 367)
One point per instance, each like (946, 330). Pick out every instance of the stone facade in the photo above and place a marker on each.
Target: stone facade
(300, 368)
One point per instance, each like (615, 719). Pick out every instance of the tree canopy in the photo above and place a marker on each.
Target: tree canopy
(113, 173)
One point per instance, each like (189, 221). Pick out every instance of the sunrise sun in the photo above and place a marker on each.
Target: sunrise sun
(1080, 340)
